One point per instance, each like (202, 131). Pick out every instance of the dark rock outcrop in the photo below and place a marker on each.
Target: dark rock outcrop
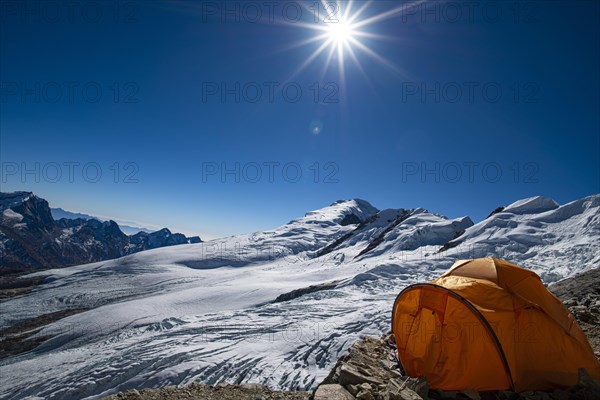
(350, 219)
(300, 292)
(496, 211)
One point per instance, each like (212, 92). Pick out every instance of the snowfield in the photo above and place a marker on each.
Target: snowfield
(206, 311)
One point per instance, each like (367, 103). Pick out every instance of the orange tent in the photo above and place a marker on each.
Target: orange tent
(487, 324)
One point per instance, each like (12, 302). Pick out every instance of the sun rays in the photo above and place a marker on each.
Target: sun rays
(341, 30)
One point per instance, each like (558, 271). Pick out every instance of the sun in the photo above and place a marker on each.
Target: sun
(346, 30)
(340, 33)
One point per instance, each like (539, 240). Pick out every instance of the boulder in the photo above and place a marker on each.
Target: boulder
(395, 392)
(332, 392)
(350, 375)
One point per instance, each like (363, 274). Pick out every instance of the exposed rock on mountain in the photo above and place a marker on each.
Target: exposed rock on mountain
(581, 295)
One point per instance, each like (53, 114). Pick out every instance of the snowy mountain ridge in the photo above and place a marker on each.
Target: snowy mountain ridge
(59, 213)
(208, 312)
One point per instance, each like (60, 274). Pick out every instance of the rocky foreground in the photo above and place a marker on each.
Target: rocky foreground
(369, 370)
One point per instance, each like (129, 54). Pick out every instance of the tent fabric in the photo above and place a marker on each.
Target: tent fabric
(487, 324)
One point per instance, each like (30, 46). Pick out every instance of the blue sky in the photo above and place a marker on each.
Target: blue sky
(189, 114)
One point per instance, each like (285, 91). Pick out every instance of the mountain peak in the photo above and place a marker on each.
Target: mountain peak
(346, 211)
(12, 199)
(532, 205)
(358, 201)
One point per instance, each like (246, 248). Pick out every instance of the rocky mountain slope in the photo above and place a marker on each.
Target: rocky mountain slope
(581, 295)
(31, 239)
(276, 307)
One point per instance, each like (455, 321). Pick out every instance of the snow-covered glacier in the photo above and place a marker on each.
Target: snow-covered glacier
(276, 307)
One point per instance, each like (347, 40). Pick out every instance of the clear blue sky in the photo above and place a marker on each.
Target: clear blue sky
(148, 89)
